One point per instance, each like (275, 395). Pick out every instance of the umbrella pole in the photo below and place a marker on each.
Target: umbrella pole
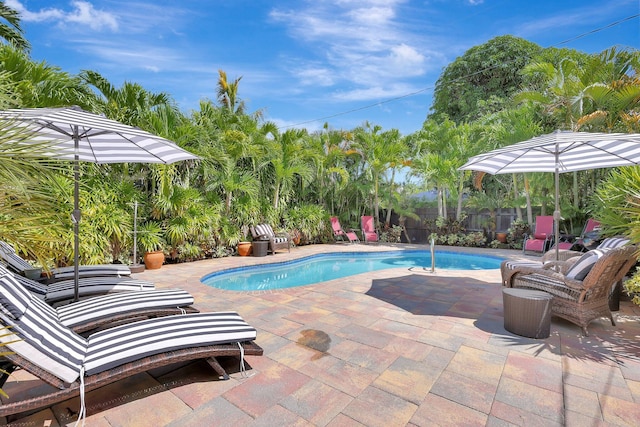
(76, 218)
(556, 212)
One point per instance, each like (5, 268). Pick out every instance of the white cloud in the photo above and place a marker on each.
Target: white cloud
(82, 12)
(359, 43)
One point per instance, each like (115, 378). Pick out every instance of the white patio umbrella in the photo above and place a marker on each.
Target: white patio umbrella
(559, 152)
(77, 135)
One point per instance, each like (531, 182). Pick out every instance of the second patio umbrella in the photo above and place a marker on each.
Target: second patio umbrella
(558, 152)
(77, 135)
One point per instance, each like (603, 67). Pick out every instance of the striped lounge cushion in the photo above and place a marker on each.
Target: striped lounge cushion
(116, 346)
(92, 270)
(583, 266)
(15, 299)
(64, 289)
(280, 239)
(14, 261)
(107, 306)
(45, 342)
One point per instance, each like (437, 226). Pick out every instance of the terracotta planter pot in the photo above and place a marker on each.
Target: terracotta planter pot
(153, 260)
(244, 248)
(502, 237)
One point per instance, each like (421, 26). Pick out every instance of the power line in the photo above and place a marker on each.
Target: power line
(386, 101)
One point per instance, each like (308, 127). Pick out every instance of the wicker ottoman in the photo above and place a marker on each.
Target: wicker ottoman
(527, 312)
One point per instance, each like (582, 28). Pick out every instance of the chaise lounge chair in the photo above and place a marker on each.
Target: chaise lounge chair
(58, 293)
(339, 233)
(581, 294)
(369, 232)
(23, 267)
(509, 269)
(98, 312)
(276, 241)
(40, 344)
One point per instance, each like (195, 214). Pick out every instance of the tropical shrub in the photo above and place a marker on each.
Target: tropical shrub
(391, 234)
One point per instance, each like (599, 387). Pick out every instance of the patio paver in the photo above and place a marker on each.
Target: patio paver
(390, 348)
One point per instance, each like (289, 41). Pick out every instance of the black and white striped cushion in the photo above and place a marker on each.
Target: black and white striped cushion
(16, 262)
(32, 286)
(583, 266)
(15, 299)
(279, 239)
(49, 345)
(126, 343)
(265, 231)
(613, 242)
(512, 265)
(106, 306)
(64, 289)
(119, 270)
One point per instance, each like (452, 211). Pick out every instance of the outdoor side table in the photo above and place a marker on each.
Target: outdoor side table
(260, 247)
(527, 312)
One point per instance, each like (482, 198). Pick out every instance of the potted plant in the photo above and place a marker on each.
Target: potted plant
(151, 241)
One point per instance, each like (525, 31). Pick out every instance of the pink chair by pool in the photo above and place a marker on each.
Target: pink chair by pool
(339, 233)
(542, 235)
(369, 232)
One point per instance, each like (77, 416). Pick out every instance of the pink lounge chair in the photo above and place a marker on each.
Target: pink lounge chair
(368, 229)
(339, 233)
(542, 235)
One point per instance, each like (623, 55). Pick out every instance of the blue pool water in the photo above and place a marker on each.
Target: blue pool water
(323, 267)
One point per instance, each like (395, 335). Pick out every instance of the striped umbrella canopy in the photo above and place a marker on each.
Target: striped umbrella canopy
(71, 133)
(559, 152)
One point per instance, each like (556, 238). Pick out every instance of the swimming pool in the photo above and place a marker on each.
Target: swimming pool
(323, 267)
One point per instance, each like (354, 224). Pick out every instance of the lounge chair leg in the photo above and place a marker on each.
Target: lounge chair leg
(584, 331)
(219, 369)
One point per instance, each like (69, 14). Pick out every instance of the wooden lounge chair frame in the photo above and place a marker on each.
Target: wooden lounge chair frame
(67, 391)
(577, 301)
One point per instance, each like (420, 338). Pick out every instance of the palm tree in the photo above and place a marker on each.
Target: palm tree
(10, 29)
(38, 84)
(228, 93)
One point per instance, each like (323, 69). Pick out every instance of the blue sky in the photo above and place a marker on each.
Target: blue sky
(304, 63)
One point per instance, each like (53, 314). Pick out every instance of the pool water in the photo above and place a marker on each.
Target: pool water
(324, 267)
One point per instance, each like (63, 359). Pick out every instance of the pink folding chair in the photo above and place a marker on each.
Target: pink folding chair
(339, 233)
(368, 229)
(541, 238)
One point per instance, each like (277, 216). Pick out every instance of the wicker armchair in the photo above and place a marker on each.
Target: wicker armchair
(509, 269)
(276, 241)
(581, 301)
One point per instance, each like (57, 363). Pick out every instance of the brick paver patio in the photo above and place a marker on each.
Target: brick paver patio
(390, 348)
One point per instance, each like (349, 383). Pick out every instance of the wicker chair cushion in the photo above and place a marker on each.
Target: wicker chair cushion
(613, 242)
(583, 266)
(264, 231)
(14, 298)
(119, 345)
(107, 306)
(548, 284)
